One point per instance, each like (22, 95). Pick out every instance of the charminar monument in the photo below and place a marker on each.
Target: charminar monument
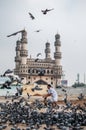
(41, 71)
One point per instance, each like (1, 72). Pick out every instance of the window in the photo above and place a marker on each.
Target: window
(28, 77)
(51, 71)
(51, 82)
(48, 71)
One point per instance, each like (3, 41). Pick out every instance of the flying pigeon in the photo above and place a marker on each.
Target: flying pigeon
(38, 54)
(15, 33)
(32, 17)
(46, 10)
(12, 34)
(38, 30)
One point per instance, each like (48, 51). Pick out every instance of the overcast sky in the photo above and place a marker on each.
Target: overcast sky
(68, 19)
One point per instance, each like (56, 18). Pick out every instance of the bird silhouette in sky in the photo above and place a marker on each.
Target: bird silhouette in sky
(15, 33)
(12, 34)
(46, 10)
(38, 30)
(31, 16)
(38, 54)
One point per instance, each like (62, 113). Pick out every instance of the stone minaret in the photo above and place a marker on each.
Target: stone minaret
(23, 71)
(21, 67)
(17, 58)
(57, 56)
(24, 51)
(47, 51)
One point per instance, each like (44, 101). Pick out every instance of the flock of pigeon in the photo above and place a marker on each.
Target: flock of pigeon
(21, 111)
(43, 11)
(32, 17)
(40, 116)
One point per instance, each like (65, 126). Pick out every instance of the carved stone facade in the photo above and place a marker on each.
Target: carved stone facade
(41, 71)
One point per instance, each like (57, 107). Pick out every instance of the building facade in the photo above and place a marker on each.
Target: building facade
(41, 71)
